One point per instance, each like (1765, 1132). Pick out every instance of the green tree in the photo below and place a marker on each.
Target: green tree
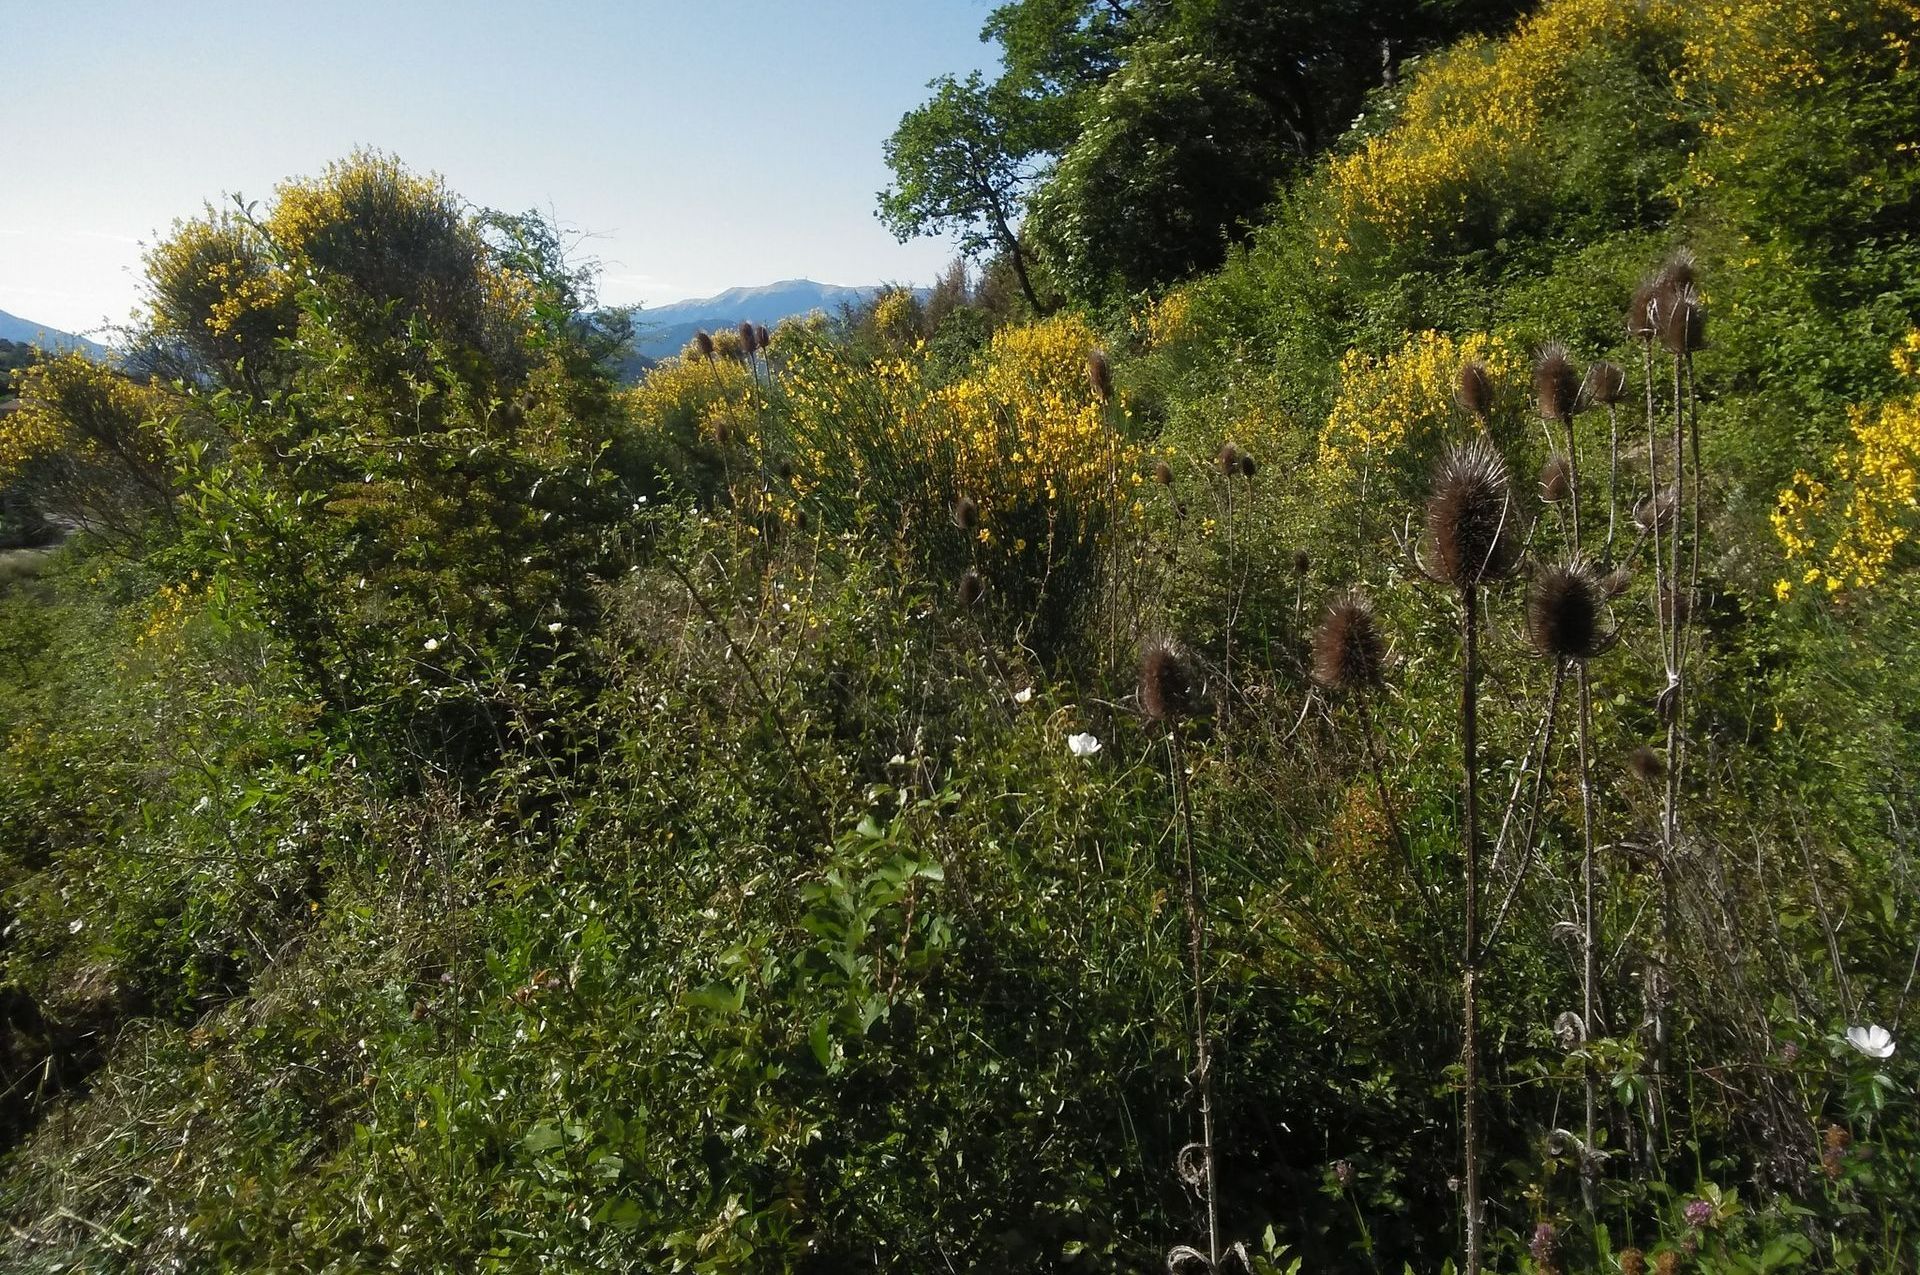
(963, 163)
(1177, 152)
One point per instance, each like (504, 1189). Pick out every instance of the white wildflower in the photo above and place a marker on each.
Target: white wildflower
(1083, 745)
(1874, 1041)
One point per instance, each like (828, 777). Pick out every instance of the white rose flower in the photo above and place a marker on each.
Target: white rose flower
(1874, 1041)
(1083, 745)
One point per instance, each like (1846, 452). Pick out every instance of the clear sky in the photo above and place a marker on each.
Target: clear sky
(701, 146)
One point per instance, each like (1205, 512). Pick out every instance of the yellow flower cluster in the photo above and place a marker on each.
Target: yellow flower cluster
(1879, 472)
(168, 616)
(1397, 408)
(1471, 122)
(1164, 321)
(695, 398)
(74, 406)
(1477, 122)
(1021, 433)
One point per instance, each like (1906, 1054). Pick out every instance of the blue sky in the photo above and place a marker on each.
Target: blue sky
(701, 146)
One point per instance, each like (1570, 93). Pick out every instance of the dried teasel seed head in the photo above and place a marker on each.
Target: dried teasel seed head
(1566, 612)
(1556, 479)
(1556, 385)
(760, 335)
(1681, 269)
(1617, 581)
(749, 340)
(1676, 605)
(1348, 652)
(784, 470)
(722, 433)
(971, 589)
(1683, 320)
(1166, 680)
(1248, 466)
(1100, 376)
(965, 514)
(1229, 459)
(1163, 473)
(1649, 511)
(703, 341)
(1606, 384)
(1471, 519)
(1301, 562)
(1473, 391)
(1642, 325)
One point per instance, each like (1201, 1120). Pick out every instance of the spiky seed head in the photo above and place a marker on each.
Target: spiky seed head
(1633, 1262)
(1683, 320)
(1100, 376)
(1163, 473)
(1680, 270)
(722, 433)
(1566, 608)
(784, 470)
(966, 514)
(703, 341)
(1676, 605)
(1229, 460)
(1474, 389)
(1617, 581)
(800, 519)
(1248, 466)
(1667, 1263)
(1646, 765)
(1649, 511)
(1556, 479)
(760, 335)
(1348, 653)
(1556, 385)
(1301, 562)
(1471, 519)
(1606, 384)
(972, 589)
(1642, 325)
(749, 340)
(1166, 680)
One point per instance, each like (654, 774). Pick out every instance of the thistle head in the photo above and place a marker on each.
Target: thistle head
(1474, 389)
(1348, 653)
(1646, 765)
(1163, 473)
(703, 341)
(1471, 519)
(965, 514)
(1556, 479)
(1566, 610)
(1606, 384)
(1556, 385)
(1682, 319)
(1650, 511)
(1166, 680)
(1229, 459)
(1641, 323)
(749, 339)
(1681, 269)
(1100, 376)
(971, 589)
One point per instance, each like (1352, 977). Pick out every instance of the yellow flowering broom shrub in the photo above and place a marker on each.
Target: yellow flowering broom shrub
(1392, 413)
(1844, 534)
(1021, 436)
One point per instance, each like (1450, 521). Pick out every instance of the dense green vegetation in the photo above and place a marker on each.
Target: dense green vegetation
(887, 797)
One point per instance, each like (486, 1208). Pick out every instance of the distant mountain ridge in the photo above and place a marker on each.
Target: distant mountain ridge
(27, 332)
(659, 331)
